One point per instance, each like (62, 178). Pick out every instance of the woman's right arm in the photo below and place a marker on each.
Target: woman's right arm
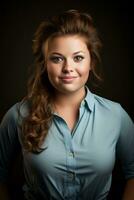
(9, 146)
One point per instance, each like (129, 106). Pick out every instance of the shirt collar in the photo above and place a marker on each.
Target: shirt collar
(89, 99)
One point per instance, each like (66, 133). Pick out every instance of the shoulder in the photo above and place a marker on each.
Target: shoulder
(111, 109)
(109, 113)
(107, 105)
(15, 113)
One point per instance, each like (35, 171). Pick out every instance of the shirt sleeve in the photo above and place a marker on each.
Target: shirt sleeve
(125, 144)
(9, 142)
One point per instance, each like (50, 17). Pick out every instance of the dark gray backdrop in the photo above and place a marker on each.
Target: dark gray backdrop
(19, 20)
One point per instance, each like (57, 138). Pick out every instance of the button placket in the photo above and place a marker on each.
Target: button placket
(71, 175)
(71, 154)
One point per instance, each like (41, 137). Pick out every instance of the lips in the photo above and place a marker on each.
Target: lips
(67, 78)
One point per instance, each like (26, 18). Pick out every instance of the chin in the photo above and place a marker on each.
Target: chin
(70, 90)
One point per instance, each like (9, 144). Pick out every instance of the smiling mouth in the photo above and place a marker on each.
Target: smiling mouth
(68, 79)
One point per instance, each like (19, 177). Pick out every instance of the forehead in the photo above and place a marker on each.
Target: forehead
(68, 43)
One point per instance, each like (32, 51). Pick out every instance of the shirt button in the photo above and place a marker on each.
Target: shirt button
(71, 175)
(71, 154)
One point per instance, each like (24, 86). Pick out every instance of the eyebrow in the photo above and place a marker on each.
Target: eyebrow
(73, 53)
(78, 52)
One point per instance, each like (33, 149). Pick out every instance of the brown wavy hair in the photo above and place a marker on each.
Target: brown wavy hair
(40, 92)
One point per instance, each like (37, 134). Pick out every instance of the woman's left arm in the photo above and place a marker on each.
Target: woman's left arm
(125, 152)
(129, 190)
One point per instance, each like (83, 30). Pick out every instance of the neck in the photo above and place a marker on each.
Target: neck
(69, 100)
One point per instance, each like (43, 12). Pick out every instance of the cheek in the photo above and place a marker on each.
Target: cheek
(84, 70)
(51, 69)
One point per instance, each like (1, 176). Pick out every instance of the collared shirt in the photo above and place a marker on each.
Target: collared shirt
(77, 164)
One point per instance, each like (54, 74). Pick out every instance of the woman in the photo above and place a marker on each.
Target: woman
(69, 137)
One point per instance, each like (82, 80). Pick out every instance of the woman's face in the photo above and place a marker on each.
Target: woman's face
(68, 63)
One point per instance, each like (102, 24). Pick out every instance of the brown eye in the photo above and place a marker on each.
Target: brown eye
(78, 58)
(56, 59)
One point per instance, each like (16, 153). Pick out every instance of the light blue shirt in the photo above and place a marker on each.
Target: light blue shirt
(75, 165)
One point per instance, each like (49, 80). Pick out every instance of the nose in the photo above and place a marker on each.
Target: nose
(67, 66)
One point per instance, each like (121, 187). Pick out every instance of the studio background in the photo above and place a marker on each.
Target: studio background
(19, 20)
